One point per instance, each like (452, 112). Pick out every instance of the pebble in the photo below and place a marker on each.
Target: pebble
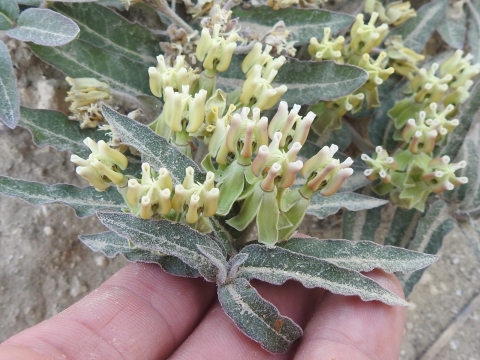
(47, 230)
(453, 345)
(426, 278)
(458, 292)
(101, 261)
(433, 290)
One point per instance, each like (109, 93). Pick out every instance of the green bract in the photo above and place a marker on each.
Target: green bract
(234, 134)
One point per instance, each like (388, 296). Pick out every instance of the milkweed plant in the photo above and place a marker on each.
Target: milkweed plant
(245, 119)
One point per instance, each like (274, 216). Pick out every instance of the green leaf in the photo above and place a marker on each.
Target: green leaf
(28, 2)
(225, 235)
(431, 230)
(402, 227)
(303, 24)
(277, 265)
(468, 111)
(8, 14)
(361, 225)
(341, 137)
(324, 206)
(417, 30)
(471, 230)
(473, 33)
(104, 28)
(86, 201)
(53, 128)
(307, 81)
(218, 259)
(9, 99)
(44, 27)
(155, 149)
(468, 195)
(380, 127)
(256, 317)
(453, 28)
(111, 244)
(361, 255)
(81, 59)
(167, 237)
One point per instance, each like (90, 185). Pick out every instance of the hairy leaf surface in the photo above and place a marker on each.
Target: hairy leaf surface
(417, 30)
(81, 59)
(468, 112)
(8, 14)
(111, 244)
(218, 259)
(53, 128)
(473, 33)
(256, 317)
(302, 23)
(85, 201)
(155, 149)
(324, 206)
(44, 27)
(402, 227)
(277, 265)
(361, 255)
(225, 235)
(307, 81)
(167, 237)
(109, 31)
(431, 230)
(453, 28)
(9, 99)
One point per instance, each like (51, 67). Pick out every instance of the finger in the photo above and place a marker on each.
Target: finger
(217, 337)
(139, 313)
(345, 327)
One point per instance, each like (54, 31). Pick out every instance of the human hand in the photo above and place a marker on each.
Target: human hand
(144, 313)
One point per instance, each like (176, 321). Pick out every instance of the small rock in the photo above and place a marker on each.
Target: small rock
(409, 326)
(454, 345)
(433, 290)
(47, 230)
(426, 278)
(455, 261)
(101, 261)
(458, 292)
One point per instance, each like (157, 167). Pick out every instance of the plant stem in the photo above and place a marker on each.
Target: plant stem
(162, 6)
(230, 3)
(245, 49)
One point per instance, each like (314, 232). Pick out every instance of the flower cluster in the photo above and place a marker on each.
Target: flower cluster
(363, 38)
(103, 166)
(422, 121)
(86, 95)
(395, 13)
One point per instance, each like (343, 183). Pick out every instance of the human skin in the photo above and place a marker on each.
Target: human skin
(143, 313)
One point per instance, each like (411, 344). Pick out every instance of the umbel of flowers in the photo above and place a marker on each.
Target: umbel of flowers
(249, 160)
(423, 121)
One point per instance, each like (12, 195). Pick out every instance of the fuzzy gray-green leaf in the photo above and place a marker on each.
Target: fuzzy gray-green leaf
(225, 235)
(86, 201)
(8, 14)
(363, 224)
(453, 28)
(473, 33)
(361, 255)
(53, 128)
(431, 230)
(81, 59)
(109, 31)
(307, 81)
(111, 244)
(402, 227)
(468, 112)
(167, 237)
(471, 230)
(155, 149)
(277, 265)
(44, 27)
(417, 30)
(218, 259)
(256, 317)
(303, 24)
(324, 206)
(9, 99)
